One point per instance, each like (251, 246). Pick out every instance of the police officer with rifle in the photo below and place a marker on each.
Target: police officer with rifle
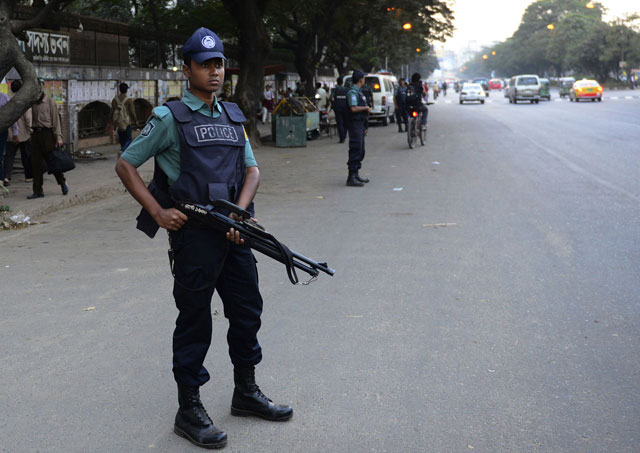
(202, 154)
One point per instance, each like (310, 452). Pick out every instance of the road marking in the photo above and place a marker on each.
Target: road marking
(489, 102)
(613, 97)
(578, 169)
(447, 102)
(558, 100)
(628, 97)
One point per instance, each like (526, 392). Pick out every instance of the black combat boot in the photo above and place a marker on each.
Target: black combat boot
(193, 422)
(352, 181)
(249, 400)
(358, 178)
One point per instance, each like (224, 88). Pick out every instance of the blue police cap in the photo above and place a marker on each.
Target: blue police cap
(203, 45)
(357, 75)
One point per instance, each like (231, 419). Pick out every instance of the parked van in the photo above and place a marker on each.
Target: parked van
(383, 87)
(524, 87)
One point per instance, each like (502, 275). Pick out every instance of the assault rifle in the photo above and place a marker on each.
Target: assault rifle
(254, 235)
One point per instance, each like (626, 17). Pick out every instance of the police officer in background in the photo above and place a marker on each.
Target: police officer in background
(400, 104)
(358, 111)
(192, 164)
(339, 106)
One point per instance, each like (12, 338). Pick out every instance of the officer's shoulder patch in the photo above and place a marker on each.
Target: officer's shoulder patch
(147, 129)
(161, 111)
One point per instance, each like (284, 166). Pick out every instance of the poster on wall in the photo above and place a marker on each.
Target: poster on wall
(72, 88)
(86, 91)
(55, 90)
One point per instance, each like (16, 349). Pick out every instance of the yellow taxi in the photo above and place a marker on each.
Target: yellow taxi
(585, 89)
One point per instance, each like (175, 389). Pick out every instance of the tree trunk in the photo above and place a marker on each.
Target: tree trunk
(11, 56)
(254, 47)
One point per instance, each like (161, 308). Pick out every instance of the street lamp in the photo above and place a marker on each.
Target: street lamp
(406, 26)
(485, 56)
(551, 27)
(590, 5)
(493, 52)
(418, 50)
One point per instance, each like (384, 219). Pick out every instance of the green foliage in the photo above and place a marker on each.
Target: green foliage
(349, 33)
(580, 42)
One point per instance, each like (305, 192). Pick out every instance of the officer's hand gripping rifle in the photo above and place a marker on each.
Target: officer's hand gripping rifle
(254, 236)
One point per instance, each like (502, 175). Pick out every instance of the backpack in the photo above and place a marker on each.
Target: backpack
(121, 118)
(412, 97)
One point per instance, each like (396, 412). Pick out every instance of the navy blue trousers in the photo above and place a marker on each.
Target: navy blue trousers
(356, 144)
(341, 123)
(402, 115)
(124, 137)
(205, 261)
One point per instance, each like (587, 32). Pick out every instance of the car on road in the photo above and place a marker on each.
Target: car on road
(565, 85)
(585, 89)
(472, 92)
(524, 87)
(383, 87)
(484, 82)
(545, 89)
(495, 84)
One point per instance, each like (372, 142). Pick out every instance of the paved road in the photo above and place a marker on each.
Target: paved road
(486, 297)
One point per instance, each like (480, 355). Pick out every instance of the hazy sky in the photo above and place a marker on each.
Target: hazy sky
(495, 20)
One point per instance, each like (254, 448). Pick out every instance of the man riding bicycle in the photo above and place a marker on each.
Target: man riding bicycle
(414, 99)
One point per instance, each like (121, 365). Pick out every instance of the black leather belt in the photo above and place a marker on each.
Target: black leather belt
(40, 129)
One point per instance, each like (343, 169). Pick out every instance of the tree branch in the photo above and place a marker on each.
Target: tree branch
(19, 26)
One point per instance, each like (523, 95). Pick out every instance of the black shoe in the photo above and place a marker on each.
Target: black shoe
(65, 189)
(358, 178)
(353, 182)
(193, 423)
(249, 400)
(341, 141)
(35, 195)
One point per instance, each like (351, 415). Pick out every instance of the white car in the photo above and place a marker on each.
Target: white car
(472, 92)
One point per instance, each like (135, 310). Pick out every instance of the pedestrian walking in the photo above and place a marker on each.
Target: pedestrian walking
(19, 142)
(46, 136)
(4, 134)
(201, 154)
(268, 101)
(340, 109)
(400, 104)
(358, 111)
(123, 116)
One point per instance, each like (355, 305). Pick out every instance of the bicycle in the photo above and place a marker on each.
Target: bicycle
(414, 129)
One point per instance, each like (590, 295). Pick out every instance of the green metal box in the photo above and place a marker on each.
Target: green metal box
(291, 131)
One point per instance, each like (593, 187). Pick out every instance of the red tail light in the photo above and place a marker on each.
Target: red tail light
(384, 100)
(414, 114)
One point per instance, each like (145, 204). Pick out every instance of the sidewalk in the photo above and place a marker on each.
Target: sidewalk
(93, 179)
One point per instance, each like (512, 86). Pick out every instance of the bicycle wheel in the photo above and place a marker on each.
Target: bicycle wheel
(411, 133)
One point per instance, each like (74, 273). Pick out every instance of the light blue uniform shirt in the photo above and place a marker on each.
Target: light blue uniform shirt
(160, 138)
